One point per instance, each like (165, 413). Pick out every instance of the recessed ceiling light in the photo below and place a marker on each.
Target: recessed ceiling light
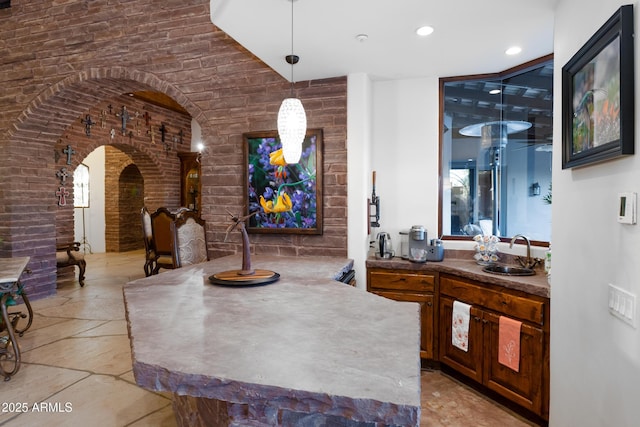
(362, 37)
(495, 91)
(514, 50)
(424, 31)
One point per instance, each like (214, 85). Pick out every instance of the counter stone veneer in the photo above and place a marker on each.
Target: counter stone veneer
(306, 350)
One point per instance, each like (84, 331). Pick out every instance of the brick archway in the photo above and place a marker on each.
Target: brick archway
(33, 153)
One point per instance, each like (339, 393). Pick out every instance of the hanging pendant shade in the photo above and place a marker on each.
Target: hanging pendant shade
(292, 120)
(292, 127)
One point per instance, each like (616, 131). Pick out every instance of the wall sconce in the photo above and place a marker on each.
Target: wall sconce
(534, 190)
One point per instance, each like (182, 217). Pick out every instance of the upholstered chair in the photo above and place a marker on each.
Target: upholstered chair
(190, 241)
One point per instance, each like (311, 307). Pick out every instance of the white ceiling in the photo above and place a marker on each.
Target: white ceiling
(470, 36)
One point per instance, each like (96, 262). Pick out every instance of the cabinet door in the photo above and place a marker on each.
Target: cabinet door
(525, 386)
(426, 318)
(468, 362)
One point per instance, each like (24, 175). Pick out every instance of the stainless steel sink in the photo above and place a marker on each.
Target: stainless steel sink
(507, 270)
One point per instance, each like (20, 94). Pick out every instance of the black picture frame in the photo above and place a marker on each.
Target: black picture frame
(598, 95)
(265, 180)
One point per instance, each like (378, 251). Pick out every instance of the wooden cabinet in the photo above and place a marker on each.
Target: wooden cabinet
(190, 180)
(436, 292)
(419, 287)
(529, 386)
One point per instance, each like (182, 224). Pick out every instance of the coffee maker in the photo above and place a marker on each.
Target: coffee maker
(418, 244)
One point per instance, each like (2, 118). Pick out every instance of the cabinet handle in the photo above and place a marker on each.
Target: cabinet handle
(429, 303)
(485, 321)
(477, 319)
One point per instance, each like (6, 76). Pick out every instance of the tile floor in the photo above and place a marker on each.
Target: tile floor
(76, 360)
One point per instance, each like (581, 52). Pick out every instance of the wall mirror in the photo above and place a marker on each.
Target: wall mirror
(496, 148)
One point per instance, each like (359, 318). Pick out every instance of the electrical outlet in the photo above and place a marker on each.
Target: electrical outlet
(622, 305)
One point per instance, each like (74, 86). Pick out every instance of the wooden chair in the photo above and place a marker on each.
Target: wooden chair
(162, 239)
(147, 235)
(69, 254)
(189, 239)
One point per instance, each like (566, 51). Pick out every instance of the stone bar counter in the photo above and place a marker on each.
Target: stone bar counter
(305, 350)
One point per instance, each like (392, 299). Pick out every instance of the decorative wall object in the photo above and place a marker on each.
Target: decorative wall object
(69, 152)
(598, 95)
(286, 197)
(62, 195)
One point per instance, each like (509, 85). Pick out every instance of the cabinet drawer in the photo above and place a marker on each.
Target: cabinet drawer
(502, 302)
(401, 281)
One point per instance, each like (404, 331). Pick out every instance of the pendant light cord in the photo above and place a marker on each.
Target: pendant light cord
(292, 61)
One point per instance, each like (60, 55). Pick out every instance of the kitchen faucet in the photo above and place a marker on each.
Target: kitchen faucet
(528, 262)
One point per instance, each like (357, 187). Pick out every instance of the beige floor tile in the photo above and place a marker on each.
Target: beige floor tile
(46, 302)
(103, 355)
(59, 330)
(93, 308)
(446, 402)
(100, 288)
(32, 384)
(95, 401)
(112, 327)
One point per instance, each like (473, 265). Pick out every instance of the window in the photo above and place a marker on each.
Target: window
(496, 152)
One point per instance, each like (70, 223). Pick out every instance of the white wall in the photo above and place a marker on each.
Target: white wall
(595, 358)
(405, 155)
(94, 214)
(359, 108)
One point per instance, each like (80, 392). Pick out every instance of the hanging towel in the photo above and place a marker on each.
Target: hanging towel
(509, 343)
(460, 325)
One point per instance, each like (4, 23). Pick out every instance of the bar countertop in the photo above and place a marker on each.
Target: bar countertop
(466, 266)
(306, 343)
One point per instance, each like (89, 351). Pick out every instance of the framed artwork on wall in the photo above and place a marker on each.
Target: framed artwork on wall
(284, 198)
(598, 95)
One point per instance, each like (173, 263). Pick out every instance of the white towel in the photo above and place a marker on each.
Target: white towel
(460, 325)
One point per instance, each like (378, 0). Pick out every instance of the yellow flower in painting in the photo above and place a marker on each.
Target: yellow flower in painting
(282, 204)
(276, 158)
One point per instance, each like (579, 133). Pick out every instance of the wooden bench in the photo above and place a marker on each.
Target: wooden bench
(70, 255)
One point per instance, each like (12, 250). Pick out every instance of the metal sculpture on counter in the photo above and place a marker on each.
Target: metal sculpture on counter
(247, 276)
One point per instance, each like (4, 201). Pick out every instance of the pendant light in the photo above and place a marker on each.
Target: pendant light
(292, 120)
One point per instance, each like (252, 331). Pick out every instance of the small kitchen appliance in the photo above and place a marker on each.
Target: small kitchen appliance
(385, 247)
(435, 251)
(418, 244)
(404, 244)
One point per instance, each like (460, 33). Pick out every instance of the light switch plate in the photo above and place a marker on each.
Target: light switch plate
(627, 208)
(622, 305)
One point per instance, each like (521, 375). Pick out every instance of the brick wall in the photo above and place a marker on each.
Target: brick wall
(62, 59)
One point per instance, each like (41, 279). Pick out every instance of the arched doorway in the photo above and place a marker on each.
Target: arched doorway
(55, 123)
(123, 231)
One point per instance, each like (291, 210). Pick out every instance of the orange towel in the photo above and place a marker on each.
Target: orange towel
(509, 343)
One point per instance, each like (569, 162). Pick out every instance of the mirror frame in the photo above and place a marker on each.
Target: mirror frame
(443, 80)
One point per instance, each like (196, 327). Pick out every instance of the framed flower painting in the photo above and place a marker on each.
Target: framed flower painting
(283, 198)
